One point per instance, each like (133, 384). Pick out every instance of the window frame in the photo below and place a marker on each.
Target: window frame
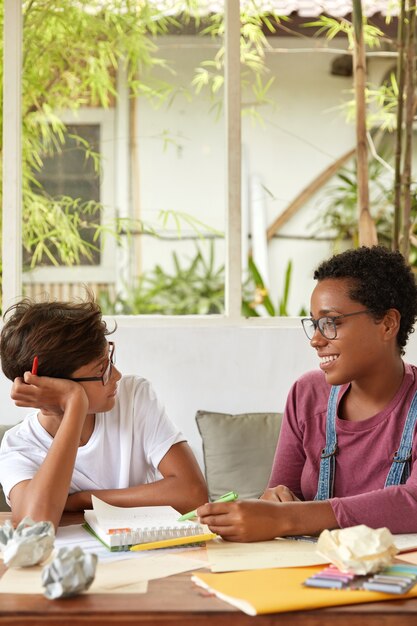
(12, 192)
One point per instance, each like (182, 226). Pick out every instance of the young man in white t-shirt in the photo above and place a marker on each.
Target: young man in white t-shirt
(93, 431)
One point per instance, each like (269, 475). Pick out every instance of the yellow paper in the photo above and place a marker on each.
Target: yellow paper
(226, 556)
(279, 590)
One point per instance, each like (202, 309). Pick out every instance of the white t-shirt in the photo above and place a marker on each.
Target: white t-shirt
(124, 450)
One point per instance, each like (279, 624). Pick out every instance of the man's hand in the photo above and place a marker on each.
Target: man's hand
(51, 395)
(78, 501)
(64, 407)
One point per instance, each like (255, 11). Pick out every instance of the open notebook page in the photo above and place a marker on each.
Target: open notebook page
(110, 517)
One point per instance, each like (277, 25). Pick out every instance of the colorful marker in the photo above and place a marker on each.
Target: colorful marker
(227, 497)
(35, 366)
(397, 579)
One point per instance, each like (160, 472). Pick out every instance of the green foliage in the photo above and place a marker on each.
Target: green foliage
(381, 102)
(338, 213)
(253, 44)
(196, 288)
(51, 229)
(193, 289)
(256, 294)
(166, 215)
(331, 27)
(72, 51)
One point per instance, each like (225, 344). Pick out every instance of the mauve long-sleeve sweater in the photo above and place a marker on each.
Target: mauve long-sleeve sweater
(365, 452)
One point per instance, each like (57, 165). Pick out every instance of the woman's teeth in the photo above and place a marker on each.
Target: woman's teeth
(328, 359)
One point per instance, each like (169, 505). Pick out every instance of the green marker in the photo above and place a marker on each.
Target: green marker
(227, 497)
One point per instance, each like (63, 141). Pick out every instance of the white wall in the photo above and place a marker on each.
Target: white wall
(230, 368)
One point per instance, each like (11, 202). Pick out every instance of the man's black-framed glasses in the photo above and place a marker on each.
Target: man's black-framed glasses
(105, 377)
(326, 324)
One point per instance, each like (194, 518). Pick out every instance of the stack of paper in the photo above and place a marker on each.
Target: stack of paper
(225, 556)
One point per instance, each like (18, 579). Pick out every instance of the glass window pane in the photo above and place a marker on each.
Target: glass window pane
(122, 127)
(298, 209)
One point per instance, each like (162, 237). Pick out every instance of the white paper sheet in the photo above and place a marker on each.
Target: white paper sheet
(225, 556)
(406, 542)
(128, 576)
(142, 517)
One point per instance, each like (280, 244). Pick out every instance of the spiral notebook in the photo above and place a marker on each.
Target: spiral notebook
(147, 527)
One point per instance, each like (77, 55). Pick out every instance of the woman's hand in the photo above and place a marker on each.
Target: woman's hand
(246, 520)
(281, 493)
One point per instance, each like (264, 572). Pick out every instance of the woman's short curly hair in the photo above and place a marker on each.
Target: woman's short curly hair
(380, 280)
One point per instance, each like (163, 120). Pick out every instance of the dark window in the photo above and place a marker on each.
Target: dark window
(72, 173)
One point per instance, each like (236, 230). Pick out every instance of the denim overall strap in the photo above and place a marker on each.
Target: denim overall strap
(400, 468)
(327, 457)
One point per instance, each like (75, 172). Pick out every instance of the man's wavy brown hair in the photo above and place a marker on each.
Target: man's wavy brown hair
(63, 335)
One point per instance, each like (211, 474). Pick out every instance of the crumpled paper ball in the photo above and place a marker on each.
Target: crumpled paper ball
(69, 573)
(358, 549)
(27, 544)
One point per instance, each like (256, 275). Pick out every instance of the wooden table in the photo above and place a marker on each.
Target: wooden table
(175, 601)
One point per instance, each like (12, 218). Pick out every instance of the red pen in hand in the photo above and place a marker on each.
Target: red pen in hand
(35, 366)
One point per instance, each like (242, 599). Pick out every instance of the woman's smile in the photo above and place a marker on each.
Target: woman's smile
(327, 360)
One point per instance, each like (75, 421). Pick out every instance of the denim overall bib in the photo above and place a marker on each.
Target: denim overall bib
(400, 468)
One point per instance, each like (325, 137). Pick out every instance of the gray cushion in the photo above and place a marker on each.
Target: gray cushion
(3, 504)
(238, 451)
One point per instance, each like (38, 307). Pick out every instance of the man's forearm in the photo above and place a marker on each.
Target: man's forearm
(169, 490)
(44, 496)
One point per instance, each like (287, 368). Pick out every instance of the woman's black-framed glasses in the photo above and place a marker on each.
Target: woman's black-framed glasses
(326, 325)
(105, 377)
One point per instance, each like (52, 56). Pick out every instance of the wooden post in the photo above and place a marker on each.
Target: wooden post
(367, 230)
(12, 153)
(233, 288)
(409, 119)
(399, 131)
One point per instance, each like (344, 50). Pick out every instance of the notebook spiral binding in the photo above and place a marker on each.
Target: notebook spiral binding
(153, 533)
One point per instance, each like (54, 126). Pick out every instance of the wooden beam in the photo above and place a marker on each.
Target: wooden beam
(232, 97)
(307, 193)
(12, 153)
